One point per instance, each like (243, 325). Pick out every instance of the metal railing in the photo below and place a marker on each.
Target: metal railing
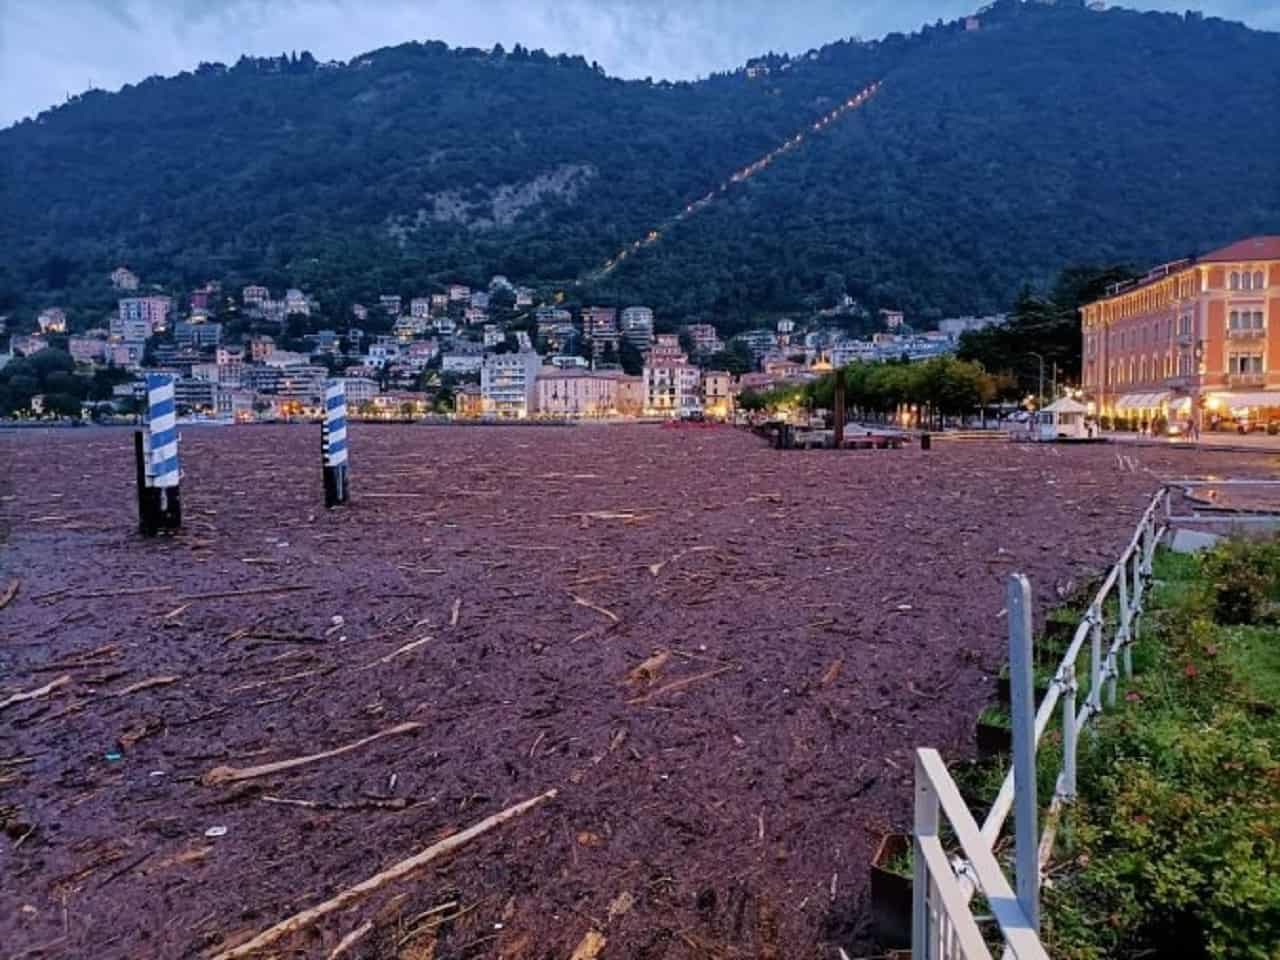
(943, 919)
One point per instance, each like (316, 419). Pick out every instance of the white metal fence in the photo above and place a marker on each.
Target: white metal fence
(944, 926)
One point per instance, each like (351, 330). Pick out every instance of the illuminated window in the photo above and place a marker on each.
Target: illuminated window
(1244, 363)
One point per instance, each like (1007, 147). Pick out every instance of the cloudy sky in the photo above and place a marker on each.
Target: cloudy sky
(49, 48)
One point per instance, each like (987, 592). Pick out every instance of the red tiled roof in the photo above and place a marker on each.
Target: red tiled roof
(1255, 248)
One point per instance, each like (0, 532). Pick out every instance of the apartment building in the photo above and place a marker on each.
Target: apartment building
(575, 392)
(508, 382)
(671, 384)
(636, 326)
(153, 311)
(704, 338)
(1193, 339)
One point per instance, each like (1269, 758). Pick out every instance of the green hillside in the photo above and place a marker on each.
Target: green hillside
(989, 158)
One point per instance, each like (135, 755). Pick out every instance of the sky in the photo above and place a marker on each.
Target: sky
(52, 48)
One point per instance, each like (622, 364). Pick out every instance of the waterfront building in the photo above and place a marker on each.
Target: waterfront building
(575, 392)
(1194, 339)
(508, 382)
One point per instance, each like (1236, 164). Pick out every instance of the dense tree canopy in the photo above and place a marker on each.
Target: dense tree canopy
(1041, 340)
(988, 159)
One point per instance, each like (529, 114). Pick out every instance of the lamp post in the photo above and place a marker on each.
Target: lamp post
(1040, 391)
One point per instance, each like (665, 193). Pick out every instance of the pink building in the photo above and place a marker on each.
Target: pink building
(87, 349)
(575, 392)
(153, 311)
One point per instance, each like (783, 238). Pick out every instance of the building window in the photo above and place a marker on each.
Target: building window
(1245, 320)
(1244, 363)
(1235, 280)
(1258, 281)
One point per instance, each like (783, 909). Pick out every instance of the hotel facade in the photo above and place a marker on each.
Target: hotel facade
(1192, 341)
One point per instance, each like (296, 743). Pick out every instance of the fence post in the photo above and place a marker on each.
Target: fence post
(1023, 708)
(1095, 665)
(925, 825)
(1122, 631)
(1069, 734)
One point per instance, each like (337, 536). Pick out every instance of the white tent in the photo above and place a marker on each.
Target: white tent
(1063, 418)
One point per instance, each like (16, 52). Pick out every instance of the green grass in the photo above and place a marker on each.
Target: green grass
(996, 715)
(1253, 653)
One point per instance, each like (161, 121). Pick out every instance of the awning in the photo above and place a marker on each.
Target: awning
(1243, 401)
(1142, 401)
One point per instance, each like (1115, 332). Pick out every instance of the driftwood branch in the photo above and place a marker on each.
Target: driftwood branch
(582, 602)
(305, 918)
(47, 689)
(220, 775)
(678, 684)
(411, 645)
(146, 685)
(9, 592)
(351, 939)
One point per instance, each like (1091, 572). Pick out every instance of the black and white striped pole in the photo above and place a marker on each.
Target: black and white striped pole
(156, 456)
(333, 443)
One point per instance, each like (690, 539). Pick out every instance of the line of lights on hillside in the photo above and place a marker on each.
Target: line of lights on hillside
(739, 176)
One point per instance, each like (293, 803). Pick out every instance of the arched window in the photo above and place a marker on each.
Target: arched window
(1258, 281)
(1235, 280)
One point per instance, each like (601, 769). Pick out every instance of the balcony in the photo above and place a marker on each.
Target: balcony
(1186, 339)
(1182, 382)
(1235, 380)
(1246, 333)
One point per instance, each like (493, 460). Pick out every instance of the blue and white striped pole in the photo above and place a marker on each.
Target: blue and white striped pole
(160, 449)
(333, 443)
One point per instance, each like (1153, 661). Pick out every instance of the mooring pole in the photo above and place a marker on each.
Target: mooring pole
(333, 443)
(162, 430)
(838, 403)
(147, 522)
(1023, 709)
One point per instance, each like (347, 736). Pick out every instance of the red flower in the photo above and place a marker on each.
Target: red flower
(1191, 670)
(1133, 696)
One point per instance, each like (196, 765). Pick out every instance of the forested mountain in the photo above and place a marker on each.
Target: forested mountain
(988, 159)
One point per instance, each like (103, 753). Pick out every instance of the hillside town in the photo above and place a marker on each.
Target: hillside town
(255, 354)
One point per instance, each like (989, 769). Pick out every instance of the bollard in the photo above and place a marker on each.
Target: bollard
(333, 443)
(926, 442)
(161, 456)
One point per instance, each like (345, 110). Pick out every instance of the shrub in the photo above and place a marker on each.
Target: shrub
(1242, 575)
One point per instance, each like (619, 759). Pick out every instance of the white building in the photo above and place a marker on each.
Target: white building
(295, 302)
(360, 390)
(636, 325)
(493, 335)
(52, 320)
(461, 362)
(122, 278)
(420, 308)
(382, 352)
(507, 384)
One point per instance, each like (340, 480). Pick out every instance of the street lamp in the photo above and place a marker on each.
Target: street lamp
(1040, 391)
